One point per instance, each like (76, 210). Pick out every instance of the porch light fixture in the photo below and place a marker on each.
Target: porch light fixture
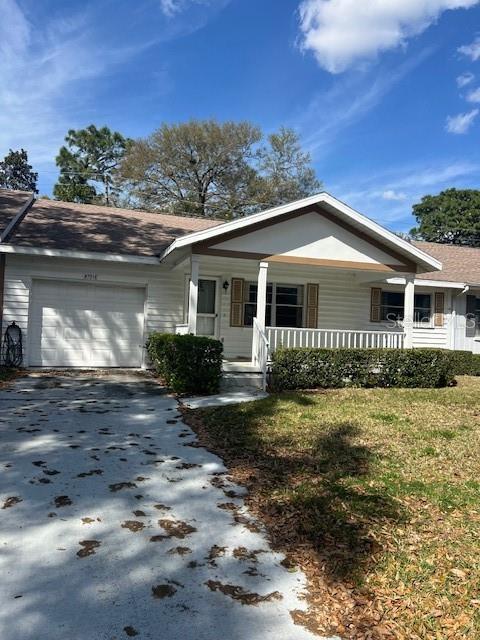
(225, 285)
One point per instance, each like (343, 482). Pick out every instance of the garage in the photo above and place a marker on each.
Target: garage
(85, 325)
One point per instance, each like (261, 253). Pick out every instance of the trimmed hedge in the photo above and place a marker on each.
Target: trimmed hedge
(475, 370)
(466, 363)
(189, 364)
(462, 362)
(336, 368)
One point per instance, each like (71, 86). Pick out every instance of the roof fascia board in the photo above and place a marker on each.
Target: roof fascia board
(439, 284)
(385, 234)
(17, 218)
(78, 255)
(323, 198)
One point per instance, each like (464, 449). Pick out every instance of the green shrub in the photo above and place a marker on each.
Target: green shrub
(156, 348)
(189, 364)
(462, 362)
(336, 368)
(475, 371)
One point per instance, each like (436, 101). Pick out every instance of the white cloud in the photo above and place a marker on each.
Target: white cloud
(343, 33)
(36, 69)
(395, 196)
(50, 72)
(471, 50)
(44, 74)
(464, 79)
(437, 175)
(474, 96)
(412, 180)
(349, 100)
(170, 7)
(462, 122)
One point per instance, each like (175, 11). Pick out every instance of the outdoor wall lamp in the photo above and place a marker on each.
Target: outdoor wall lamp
(225, 285)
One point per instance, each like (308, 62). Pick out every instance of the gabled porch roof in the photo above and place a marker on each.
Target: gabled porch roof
(407, 256)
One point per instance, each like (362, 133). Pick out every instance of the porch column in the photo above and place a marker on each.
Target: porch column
(193, 294)
(409, 311)
(262, 294)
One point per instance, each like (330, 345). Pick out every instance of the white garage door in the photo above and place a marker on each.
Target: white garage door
(85, 325)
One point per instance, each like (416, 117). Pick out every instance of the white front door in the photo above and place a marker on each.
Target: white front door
(207, 307)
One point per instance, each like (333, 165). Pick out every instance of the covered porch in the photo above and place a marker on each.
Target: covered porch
(257, 307)
(314, 273)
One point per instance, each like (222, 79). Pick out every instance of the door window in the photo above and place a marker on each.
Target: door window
(206, 307)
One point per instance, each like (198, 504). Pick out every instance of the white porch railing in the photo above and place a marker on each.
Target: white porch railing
(333, 338)
(181, 329)
(260, 350)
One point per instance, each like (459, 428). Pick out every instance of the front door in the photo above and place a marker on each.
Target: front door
(207, 307)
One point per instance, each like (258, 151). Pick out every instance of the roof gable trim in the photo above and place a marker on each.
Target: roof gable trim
(17, 218)
(343, 211)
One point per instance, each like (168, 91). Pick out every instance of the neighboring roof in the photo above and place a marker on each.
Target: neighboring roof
(460, 264)
(54, 225)
(323, 200)
(11, 204)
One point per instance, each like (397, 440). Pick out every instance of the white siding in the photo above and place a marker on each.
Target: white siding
(464, 341)
(434, 337)
(344, 301)
(309, 236)
(164, 288)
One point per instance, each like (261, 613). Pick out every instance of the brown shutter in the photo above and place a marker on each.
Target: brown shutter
(438, 317)
(236, 302)
(312, 306)
(375, 304)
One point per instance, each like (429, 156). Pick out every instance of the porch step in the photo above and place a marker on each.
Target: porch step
(239, 366)
(241, 380)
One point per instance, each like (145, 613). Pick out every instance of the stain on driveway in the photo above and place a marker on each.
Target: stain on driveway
(80, 459)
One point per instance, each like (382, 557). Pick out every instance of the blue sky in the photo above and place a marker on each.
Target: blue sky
(386, 98)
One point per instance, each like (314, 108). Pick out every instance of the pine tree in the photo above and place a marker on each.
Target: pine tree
(87, 165)
(16, 173)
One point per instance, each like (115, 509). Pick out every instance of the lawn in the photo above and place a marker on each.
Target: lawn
(374, 493)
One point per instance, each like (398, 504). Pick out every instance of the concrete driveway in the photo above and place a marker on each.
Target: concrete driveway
(114, 524)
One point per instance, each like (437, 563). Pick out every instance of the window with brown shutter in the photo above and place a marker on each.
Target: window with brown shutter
(375, 304)
(236, 302)
(438, 319)
(312, 306)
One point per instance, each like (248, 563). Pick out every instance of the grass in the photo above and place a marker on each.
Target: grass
(374, 494)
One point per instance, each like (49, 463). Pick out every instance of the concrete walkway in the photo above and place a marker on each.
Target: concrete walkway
(224, 399)
(114, 524)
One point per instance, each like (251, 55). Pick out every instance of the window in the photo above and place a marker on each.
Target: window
(422, 312)
(250, 305)
(393, 306)
(477, 317)
(284, 305)
(473, 317)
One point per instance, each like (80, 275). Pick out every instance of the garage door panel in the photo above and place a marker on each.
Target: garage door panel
(86, 325)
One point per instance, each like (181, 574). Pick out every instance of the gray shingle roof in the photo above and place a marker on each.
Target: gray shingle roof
(460, 264)
(11, 203)
(50, 224)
